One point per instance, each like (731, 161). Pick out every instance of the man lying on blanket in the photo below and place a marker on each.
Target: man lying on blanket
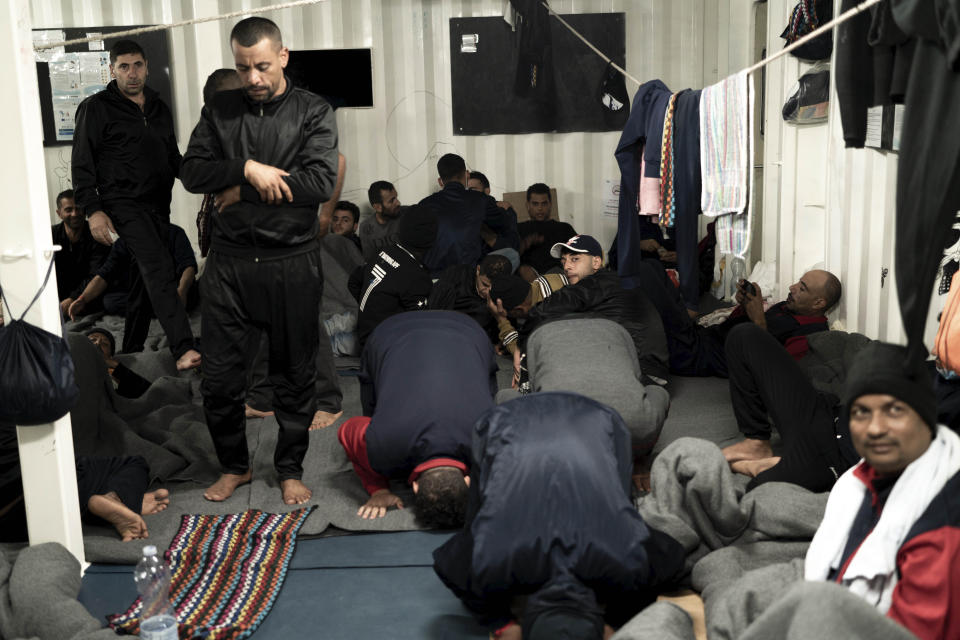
(890, 536)
(425, 376)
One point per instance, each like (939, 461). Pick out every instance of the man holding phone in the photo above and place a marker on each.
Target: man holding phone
(699, 351)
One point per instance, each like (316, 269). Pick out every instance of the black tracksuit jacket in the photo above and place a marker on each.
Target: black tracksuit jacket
(123, 153)
(295, 131)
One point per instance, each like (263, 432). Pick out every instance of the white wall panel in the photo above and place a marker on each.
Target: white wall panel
(686, 43)
(826, 203)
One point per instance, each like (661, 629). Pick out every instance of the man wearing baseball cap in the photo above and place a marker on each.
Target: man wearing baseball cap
(597, 291)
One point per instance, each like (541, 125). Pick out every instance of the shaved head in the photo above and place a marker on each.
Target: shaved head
(815, 293)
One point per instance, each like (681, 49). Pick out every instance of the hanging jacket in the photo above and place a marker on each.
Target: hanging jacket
(640, 130)
(121, 152)
(295, 131)
(550, 515)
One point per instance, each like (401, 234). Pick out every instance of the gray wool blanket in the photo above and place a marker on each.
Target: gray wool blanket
(38, 597)
(776, 602)
(697, 500)
(745, 554)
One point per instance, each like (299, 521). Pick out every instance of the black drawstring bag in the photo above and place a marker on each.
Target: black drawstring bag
(37, 385)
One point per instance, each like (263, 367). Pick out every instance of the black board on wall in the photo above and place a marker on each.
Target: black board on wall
(344, 77)
(484, 100)
(158, 64)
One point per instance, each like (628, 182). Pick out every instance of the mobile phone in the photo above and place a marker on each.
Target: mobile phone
(747, 288)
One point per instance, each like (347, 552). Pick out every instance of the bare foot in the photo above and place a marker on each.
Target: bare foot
(323, 419)
(255, 413)
(753, 468)
(642, 482)
(189, 360)
(641, 473)
(748, 449)
(128, 524)
(155, 502)
(295, 492)
(225, 486)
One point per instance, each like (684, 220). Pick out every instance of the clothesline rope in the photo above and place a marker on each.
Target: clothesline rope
(183, 23)
(843, 17)
(589, 44)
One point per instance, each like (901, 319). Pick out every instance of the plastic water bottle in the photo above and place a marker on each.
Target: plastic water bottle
(158, 620)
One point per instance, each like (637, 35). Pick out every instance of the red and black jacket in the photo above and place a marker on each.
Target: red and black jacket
(926, 599)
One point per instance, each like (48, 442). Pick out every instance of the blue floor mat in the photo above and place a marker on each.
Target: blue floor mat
(358, 586)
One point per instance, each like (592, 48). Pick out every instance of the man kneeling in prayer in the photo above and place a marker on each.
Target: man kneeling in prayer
(426, 376)
(550, 519)
(596, 358)
(891, 531)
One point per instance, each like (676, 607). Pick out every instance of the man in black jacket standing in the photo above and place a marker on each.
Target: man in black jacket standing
(125, 159)
(269, 152)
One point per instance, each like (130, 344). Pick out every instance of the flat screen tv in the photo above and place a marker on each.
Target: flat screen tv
(343, 76)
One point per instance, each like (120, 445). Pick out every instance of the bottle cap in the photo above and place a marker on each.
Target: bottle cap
(149, 550)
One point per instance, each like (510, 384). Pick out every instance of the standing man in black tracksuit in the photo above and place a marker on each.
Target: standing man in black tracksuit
(125, 159)
(269, 152)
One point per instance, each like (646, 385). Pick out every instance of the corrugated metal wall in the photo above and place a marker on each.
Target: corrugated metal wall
(687, 43)
(825, 204)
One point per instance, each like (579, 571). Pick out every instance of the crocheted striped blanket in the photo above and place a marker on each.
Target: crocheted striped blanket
(226, 572)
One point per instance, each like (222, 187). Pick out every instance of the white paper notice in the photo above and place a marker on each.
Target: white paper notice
(74, 77)
(47, 36)
(96, 45)
(94, 72)
(64, 110)
(874, 127)
(611, 198)
(65, 74)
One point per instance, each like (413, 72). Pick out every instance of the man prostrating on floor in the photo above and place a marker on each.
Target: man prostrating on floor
(426, 376)
(269, 152)
(550, 518)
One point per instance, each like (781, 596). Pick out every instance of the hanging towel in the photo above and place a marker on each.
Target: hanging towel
(733, 233)
(668, 204)
(726, 149)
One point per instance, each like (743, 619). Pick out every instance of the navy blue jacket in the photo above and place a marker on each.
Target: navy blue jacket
(426, 377)
(550, 515)
(648, 108)
(460, 214)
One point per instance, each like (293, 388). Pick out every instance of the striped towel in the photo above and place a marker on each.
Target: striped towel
(733, 233)
(726, 145)
(226, 572)
(668, 211)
